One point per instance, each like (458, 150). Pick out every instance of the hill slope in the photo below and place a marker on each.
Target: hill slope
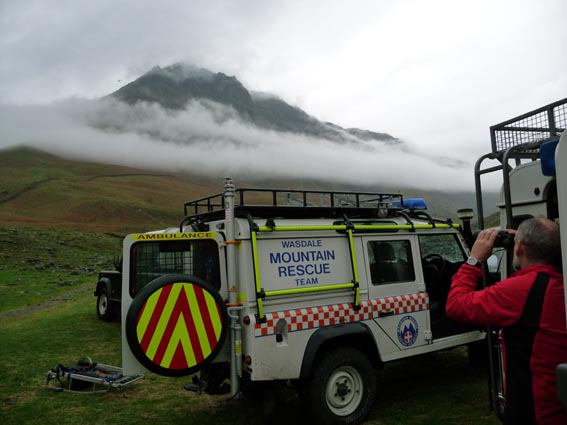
(40, 189)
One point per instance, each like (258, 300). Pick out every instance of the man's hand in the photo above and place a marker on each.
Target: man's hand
(482, 248)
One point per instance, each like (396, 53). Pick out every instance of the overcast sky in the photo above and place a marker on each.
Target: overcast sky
(434, 73)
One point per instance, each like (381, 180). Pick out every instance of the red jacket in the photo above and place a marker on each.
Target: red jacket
(535, 334)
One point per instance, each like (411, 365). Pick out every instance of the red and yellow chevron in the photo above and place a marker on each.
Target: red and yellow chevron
(179, 326)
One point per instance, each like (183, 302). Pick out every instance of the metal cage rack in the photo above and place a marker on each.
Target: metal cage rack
(530, 129)
(293, 203)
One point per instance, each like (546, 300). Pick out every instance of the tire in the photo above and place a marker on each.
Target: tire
(104, 309)
(342, 388)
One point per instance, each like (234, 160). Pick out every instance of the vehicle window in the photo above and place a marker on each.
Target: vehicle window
(446, 246)
(150, 260)
(441, 257)
(390, 261)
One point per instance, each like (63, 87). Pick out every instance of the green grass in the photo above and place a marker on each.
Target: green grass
(21, 289)
(40, 265)
(43, 324)
(35, 343)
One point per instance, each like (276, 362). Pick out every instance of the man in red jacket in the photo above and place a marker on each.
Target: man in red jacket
(529, 306)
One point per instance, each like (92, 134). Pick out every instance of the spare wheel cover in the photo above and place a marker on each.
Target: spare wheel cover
(176, 325)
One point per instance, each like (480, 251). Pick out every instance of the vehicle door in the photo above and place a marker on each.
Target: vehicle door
(396, 289)
(441, 255)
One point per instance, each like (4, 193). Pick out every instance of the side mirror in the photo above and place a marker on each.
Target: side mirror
(117, 262)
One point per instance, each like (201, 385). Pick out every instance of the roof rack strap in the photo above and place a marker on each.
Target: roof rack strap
(348, 223)
(408, 219)
(270, 223)
(426, 215)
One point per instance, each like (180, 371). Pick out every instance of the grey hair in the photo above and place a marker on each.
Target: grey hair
(541, 238)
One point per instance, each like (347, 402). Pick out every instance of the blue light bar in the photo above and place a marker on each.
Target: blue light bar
(547, 157)
(411, 204)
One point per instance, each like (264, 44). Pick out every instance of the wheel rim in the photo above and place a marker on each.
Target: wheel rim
(102, 304)
(344, 390)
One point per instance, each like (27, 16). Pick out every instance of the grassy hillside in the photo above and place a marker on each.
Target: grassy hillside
(37, 265)
(39, 189)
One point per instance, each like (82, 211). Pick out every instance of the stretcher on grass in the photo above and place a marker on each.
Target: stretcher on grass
(88, 377)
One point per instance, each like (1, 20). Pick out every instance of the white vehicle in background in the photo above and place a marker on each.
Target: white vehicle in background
(531, 155)
(317, 288)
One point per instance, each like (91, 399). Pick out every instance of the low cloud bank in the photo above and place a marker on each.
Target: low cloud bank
(210, 139)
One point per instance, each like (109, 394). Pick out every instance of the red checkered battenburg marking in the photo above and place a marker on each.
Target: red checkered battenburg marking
(315, 317)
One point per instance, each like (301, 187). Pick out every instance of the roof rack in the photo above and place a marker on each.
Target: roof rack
(530, 129)
(293, 203)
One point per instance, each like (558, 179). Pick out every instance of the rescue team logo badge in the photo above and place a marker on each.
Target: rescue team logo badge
(407, 331)
(176, 327)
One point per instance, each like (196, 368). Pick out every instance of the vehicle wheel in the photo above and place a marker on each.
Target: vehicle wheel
(104, 310)
(342, 388)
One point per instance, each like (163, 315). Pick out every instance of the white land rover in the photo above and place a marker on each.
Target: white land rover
(317, 288)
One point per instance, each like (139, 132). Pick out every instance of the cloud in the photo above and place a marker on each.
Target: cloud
(51, 52)
(210, 139)
(435, 74)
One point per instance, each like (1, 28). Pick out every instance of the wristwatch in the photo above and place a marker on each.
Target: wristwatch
(471, 261)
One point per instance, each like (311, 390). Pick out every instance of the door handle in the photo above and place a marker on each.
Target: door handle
(386, 313)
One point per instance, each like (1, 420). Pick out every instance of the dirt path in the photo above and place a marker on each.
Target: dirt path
(34, 185)
(125, 175)
(69, 296)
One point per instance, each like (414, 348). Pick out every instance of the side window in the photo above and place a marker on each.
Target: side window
(390, 261)
(446, 246)
(441, 257)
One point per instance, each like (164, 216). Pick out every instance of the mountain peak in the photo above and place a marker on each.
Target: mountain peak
(180, 72)
(175, 85)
